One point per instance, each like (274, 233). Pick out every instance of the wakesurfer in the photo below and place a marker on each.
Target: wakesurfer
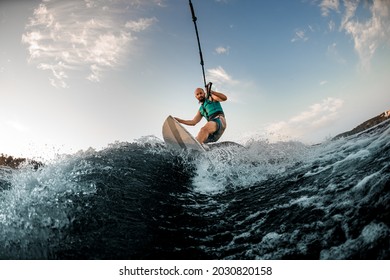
(212, 111)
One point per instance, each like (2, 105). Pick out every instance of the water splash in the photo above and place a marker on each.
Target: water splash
(234, 167)
(38, 205)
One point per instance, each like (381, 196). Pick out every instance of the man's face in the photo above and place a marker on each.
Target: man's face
(200, 95)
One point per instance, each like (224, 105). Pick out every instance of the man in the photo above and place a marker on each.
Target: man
(211, 109)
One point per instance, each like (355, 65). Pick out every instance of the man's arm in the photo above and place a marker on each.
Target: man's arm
(217, 96)
(194, 121)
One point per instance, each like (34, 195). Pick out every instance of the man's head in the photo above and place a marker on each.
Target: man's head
(200, 95)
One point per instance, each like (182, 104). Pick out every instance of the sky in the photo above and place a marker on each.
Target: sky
(88, 73)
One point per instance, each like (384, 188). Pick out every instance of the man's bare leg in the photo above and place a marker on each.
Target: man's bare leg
(205, 131)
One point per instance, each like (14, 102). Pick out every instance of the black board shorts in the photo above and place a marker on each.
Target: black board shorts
(218, 133)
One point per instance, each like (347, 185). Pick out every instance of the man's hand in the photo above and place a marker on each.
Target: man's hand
(194, 121)
(208, 88)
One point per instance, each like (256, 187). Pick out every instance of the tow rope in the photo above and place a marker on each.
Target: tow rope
(194, 19)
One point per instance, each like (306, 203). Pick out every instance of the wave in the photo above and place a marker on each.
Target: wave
(141, 200)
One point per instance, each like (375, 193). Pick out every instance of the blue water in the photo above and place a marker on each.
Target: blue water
(141, 200)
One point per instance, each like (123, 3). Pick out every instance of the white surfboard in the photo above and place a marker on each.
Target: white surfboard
(176, 136)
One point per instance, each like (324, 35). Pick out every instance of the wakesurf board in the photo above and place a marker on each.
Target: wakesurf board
(176, 136)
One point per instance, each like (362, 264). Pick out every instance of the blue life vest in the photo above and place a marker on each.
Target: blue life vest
(210, 109)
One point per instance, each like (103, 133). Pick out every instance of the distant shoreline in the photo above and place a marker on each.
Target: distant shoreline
(13, 162)
(365, 125)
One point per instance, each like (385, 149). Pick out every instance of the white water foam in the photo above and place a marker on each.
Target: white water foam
(234, 167)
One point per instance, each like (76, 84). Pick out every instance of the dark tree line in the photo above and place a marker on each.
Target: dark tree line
(13, 162)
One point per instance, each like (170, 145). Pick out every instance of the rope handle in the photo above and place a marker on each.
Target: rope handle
(208, 90)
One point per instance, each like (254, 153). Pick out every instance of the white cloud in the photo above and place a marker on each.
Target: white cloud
(328, 5)
(350, 9)
(367, 34)
(89, 3)
(222, 50)
(42, 17)
(317, 117)
(332, 25)
(324, 82)
(219, 76)
(236, 89)
(300, 35)
(370, 34)
(141, 24)
(66, 37)
(59, 75)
